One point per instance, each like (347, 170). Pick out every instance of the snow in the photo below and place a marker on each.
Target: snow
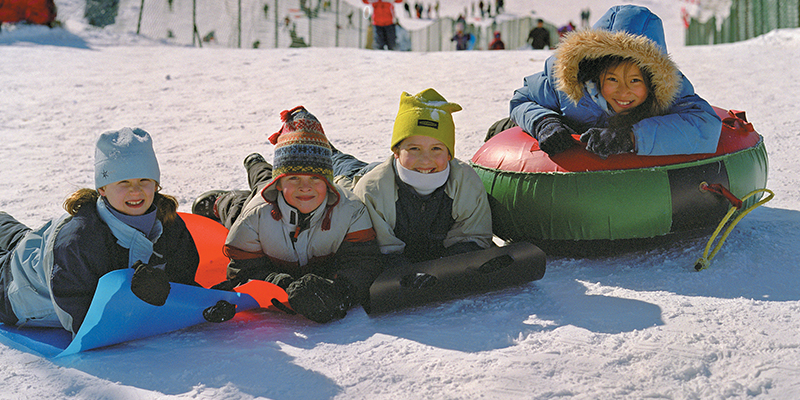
(641, 325)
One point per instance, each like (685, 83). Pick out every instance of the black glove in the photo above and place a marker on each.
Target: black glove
(607, 141)
(244, 271)
(280, 279)
(150, 284)
(220, 312)
(320, 300)
(553, 136)
(277, 278)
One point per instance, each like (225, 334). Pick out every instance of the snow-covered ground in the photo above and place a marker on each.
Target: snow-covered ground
(641, 325)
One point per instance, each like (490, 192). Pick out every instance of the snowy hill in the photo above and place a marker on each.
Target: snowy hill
(641, 325)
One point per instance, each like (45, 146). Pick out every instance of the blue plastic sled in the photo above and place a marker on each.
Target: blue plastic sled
(117, 315)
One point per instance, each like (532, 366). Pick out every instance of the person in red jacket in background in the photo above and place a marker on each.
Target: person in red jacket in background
(383, 22)
(497, 43)
(39, 12)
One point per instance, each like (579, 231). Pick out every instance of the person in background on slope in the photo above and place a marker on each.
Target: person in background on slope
(295, 228)
(585, 14)
(539, 36)
(383, 23)
(497, 43)
(564, 30)
(616, 85)
(39, 12)
(424, 203)
(461, 38)
(49, 275)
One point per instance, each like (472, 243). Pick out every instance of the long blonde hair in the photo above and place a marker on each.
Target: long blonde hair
(166, 204)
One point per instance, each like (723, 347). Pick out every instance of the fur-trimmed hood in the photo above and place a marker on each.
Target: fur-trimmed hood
(627, 31)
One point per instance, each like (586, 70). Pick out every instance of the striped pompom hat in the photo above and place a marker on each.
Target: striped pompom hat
(301, 148)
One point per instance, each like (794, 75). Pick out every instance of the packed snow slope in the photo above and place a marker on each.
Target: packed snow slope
(640, 325)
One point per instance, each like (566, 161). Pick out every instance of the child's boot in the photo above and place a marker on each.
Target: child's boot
(206, 204)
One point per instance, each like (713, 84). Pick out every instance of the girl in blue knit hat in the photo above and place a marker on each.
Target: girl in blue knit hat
(48, 275)
(295, 228)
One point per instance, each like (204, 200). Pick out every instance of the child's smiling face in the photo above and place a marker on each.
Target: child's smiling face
(131, 196)
(303, 192)
(623, 86)
(422, 154)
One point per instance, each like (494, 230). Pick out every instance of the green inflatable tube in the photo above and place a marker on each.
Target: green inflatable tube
(578, 204)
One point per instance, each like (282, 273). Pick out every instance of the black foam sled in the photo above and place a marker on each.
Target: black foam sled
(456, 276)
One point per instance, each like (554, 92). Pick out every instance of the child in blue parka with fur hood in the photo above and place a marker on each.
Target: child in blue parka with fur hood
(625, 49)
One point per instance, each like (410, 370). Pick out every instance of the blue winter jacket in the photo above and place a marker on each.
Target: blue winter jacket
(55, 269)
(684, 122)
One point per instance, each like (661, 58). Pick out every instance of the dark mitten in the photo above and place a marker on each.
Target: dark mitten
(150, 284)
(220, 312)
(553, 136)
(242, 271)
(320, 300)
(280, 279)
(607, 141)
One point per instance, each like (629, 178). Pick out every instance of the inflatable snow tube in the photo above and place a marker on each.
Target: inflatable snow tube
(578, 204)
(455, 276)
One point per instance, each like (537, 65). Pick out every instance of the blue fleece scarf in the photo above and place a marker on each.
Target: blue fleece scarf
(140, 247)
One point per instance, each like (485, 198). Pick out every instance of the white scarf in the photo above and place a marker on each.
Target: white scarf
(424, 184)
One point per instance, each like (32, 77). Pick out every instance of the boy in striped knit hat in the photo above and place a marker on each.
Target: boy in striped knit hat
(298, 230)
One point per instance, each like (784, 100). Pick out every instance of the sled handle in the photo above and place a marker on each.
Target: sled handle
(704, 261)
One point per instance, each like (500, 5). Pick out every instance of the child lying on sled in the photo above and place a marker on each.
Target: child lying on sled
(295, 228)
(48, 276)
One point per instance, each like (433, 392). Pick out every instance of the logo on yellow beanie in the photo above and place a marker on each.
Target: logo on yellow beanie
(429, 124)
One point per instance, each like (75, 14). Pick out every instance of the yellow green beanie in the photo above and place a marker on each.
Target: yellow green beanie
(427, 114)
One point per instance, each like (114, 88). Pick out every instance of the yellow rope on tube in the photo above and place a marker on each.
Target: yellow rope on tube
(705, 260)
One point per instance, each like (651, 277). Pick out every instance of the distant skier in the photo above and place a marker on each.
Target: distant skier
(383, 23)
(39, 12)
(461, 38)
(497, 43)
(539, 36)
